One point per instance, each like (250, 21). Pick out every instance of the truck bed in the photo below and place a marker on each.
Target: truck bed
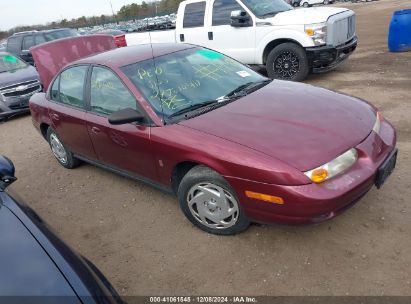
(166, 36)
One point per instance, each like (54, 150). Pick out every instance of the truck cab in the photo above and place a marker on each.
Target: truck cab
(289, 43)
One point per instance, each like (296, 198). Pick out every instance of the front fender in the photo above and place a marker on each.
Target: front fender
(292, 35)
(227, 158)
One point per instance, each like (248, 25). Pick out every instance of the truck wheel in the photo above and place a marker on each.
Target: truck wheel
(287, 61)
(305, 4)
(60, 152)
(209, 202)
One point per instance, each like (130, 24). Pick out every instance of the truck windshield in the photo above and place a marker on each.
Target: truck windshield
(9, 63)
(267, 8)
(188, 79)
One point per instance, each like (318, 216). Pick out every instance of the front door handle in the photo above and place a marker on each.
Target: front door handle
(95, 130)
(210, 36)
(182, 37)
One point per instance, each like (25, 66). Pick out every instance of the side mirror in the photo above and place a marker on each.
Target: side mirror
(6, 172)
(240, 18)
(125, 116)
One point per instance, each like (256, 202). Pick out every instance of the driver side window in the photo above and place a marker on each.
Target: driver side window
(108, 94)
(222, 11)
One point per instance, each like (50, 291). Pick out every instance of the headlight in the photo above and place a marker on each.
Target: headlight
(377, 125)
(334, 167)
(317, 32)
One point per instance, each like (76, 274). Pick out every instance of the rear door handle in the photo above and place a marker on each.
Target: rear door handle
(210, 36)
(55, 116)
(95, 130)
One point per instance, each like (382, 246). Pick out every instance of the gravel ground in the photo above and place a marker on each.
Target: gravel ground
(139, 238)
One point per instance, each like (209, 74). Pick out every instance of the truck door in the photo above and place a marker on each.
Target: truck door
(191, 23)
(223, 36)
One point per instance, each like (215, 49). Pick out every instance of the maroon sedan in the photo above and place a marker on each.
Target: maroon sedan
(234, 146)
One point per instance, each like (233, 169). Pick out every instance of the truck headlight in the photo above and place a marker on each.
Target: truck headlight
(334, 167)
(317, 32)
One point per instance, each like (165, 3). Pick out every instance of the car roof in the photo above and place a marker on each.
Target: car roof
(128, 55)
(42, 31)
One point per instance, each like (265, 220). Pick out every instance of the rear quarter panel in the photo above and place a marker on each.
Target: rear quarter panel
(39, 110)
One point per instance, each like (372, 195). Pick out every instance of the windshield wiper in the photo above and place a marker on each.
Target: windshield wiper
(193, 108)
(271, 14)
(238, 92)
(245, 89)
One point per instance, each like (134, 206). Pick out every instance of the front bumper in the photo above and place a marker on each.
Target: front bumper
(14, 106)
(314, 203)
(325, 58)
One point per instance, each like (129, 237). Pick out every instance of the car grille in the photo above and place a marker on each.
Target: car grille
(21, 89)
(341, 28)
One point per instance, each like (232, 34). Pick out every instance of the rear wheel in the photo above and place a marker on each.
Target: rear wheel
(305, 4)
(60, 152)
(326, 2)
(287, 61)
(209, 202)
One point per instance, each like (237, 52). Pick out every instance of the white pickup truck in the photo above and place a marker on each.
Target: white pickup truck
(289, 43)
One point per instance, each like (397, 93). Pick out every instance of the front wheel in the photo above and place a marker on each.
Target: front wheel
(209, 202)
(305, 4)
(287, 61)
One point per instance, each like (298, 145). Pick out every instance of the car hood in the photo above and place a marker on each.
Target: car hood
(302, 125)
(305, 15)
(26, 74)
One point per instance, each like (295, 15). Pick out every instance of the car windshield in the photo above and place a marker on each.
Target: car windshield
(59, 34)
(10, 63)
(189, 78)
(267, 8)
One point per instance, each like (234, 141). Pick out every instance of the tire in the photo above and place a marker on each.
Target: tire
(305, 4)
(64, 156)
(326, 2)
(295, 4)
(199, 196)
(287, 61)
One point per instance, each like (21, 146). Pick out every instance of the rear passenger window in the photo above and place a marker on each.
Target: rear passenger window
(14, 44)
(72, 86)
(54, 93)
(28, 42)
(222, 11)
(194, 14)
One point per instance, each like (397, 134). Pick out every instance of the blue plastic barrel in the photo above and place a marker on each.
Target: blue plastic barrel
(399, 36)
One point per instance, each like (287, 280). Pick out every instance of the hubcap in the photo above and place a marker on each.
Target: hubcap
(58, 149)
(213, 206)
(287, 65)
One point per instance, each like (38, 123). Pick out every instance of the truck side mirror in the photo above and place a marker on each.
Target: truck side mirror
(6, 172)
(240, 18)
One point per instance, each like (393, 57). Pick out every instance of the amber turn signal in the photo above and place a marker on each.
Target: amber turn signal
(319, 175)
(309, 32)
(265, 197)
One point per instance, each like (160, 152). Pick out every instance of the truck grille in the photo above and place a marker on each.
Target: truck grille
(21, 89)
(341, 28)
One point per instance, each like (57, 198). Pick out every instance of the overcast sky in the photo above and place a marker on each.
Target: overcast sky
(30, 12)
